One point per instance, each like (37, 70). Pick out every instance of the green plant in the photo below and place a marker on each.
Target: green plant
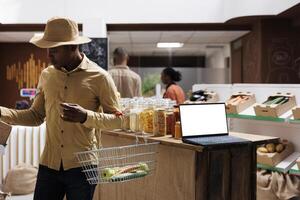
(148, 84)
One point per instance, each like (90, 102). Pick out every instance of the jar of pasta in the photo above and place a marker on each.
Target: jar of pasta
(147, 118)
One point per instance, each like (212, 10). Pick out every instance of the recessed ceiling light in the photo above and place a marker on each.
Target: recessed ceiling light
(169, 45)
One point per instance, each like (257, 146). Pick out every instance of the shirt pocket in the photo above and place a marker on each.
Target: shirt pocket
(84, 95)
(53, 97)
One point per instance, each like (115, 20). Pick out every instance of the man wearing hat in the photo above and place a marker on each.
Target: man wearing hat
(71, 91)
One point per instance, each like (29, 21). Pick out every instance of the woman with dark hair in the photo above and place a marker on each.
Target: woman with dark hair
(173, 91)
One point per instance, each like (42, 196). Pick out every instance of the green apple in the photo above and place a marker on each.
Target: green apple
(144, 166)
(107, 173)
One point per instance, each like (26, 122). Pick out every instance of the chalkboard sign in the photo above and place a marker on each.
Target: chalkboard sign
(97, 51)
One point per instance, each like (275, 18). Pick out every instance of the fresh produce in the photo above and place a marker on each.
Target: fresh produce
(238, 99)
(286, 99)
(276, 100)
(262, 149)
(279, 148)
(144, 167)
(272, 148)
(127, 172)
(108, 173)
(128, 176)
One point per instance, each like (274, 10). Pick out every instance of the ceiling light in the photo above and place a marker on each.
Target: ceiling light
(169, 45)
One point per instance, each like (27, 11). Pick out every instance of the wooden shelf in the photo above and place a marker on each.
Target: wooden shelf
(284, 166)
(250, 114)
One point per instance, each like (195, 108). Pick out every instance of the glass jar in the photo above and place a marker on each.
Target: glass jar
(178, 134)
(134, 116)
(141, 107)
(176, 113)
(147, 117)
(124, 103)
(170, 123)
(170, 118)
(159, 119)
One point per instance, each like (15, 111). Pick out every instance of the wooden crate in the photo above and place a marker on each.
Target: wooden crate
(275, 110)
(272, 159)
(296, 112)
(235, 109)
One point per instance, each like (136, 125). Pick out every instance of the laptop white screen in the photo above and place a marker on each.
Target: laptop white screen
(203, 119)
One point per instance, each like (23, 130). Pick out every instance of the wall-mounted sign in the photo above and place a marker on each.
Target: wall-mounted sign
(25, 74)
(97, 51)
(28, 92)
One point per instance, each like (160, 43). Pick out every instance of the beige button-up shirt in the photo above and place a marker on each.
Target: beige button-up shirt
(89, 86)
(128, 82)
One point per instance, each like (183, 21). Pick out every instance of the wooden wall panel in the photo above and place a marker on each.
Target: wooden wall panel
(18, 54)
(251, 72)
(280, 51)
(270, 53)
(237, 62)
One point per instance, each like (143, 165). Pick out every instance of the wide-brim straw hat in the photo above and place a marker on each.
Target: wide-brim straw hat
(59, 32)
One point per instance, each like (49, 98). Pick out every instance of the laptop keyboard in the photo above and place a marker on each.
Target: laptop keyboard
(214, 140)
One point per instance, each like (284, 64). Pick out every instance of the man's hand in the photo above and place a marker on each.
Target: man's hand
(73, 113)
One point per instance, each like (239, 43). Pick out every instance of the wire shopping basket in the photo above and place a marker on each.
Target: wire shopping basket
(119, 164)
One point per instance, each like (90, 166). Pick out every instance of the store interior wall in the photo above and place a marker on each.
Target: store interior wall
(246, 56)
(235, 8)
(155, 11)
(269, 54)
(280, 51)
(216, 57)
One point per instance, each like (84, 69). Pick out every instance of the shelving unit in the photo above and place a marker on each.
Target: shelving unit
(295, 170)
(285, 126)
(284, 166)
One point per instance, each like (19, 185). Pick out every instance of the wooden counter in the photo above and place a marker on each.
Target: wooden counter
(188, 172)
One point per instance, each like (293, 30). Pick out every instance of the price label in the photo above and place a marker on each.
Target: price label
(28, 92)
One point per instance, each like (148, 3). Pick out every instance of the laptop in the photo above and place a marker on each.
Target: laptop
(206, 125)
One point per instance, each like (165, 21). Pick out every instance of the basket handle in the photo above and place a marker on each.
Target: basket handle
(144, 135)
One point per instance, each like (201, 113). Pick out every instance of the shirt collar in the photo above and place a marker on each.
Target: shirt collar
(120, 67)
(82, 65)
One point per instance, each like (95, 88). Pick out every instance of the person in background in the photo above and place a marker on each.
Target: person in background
(128, 82)
(169, 77)
(70, 93)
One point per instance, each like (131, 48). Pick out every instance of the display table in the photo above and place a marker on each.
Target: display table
(188, 172)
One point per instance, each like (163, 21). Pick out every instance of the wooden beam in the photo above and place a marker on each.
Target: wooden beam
(26, 27)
